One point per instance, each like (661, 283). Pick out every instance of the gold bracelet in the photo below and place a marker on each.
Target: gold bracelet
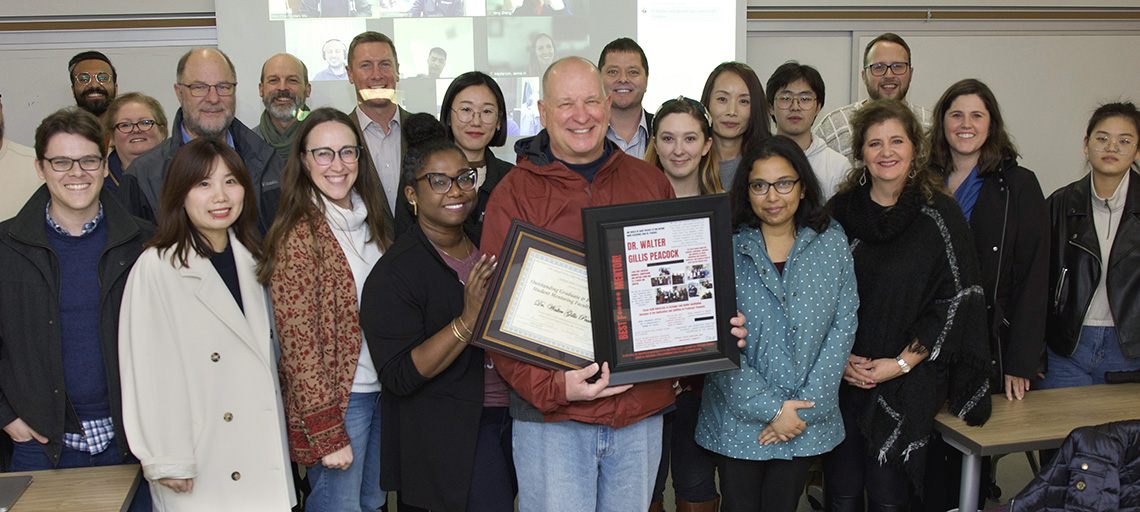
(455, 331)
(464, 324)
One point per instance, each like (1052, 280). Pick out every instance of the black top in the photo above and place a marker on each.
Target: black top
(224, 263)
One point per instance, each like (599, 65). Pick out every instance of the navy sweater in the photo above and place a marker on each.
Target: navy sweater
(83, 370)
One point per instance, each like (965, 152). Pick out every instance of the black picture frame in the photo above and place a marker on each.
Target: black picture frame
(512, 323)
(664, 339)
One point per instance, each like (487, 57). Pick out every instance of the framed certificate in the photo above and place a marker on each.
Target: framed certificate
(538, 306)
(662, 287)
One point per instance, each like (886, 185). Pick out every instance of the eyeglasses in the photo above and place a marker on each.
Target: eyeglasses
(1101, 143)
(784, 101)
(127, 127)
(466, 114)
(199, 89)
(441, 183)
(85, 78)
(760, 187)
(87, 163)
(348, 154)
(880, 69)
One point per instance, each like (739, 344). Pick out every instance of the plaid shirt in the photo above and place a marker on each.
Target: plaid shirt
(87, 228)
(835, 127)
(97, 434)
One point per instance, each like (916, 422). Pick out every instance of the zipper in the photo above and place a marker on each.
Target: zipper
(1108, 229)
(1060, 286)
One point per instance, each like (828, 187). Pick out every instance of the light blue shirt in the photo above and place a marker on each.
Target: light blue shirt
(640, 142)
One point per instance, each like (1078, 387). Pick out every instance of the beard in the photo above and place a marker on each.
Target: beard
(283, 112)
(192, 121)
(95, 106)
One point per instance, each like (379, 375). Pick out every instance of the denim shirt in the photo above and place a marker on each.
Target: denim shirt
(801, 326)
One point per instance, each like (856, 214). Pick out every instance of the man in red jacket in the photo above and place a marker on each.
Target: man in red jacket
(578, 445)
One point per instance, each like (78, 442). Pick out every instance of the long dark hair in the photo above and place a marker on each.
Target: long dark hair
(998, 146)
(190, 165)
(708, 175)
(1125, 109)
(874, 112)
(758, 113)
(472, 79)
(299, 194)
(810, 212)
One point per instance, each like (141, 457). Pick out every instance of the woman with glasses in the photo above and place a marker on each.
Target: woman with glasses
(1094, 267)
(922, 318)
(475, 116)
(796, 278)
(735, 101)
(136, 123)
(447, 433)
(682, 147)
(201, 401)
(328, 234)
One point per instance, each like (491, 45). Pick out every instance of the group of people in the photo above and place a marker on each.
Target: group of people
(214, 301)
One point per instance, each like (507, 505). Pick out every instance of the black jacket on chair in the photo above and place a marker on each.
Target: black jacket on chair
(1098, 468)
(1074, 267)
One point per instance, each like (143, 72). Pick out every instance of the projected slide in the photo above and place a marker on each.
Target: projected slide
(514, 41)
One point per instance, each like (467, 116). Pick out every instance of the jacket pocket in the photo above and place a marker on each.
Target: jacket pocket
(1060, 290)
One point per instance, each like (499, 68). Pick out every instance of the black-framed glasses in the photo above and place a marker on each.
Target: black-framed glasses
(880, 69)
(761, 187)
(87, 163)
(441, 183)
(784, 101)
(85, 78)
(348, 154)
(465, 114)
(127, 127)
(199, 89)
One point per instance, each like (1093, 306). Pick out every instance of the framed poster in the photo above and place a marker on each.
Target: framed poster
(662, 287)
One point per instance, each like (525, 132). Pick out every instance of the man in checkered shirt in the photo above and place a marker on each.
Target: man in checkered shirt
(887, 71)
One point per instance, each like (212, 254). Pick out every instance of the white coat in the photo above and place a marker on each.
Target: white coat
(200, 393)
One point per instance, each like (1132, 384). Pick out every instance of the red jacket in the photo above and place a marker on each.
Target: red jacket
(551, 196)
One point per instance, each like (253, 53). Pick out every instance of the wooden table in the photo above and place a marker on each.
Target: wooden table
(1039, 422)
(107, 488)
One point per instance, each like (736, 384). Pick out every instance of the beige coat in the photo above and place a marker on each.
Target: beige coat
(200, 393)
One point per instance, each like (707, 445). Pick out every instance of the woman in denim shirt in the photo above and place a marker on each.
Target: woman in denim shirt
(796, 283)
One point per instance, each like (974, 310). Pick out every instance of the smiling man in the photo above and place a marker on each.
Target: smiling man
(886, 72)
(374, 70)
(94, 82)
(625, 74)
(205, 87)
(795, 96)
(284, 87)
(64, 261)
(559, 416)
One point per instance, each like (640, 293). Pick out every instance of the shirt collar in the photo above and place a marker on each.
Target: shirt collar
(642, 129)
(186, 137)
(364, 120)
(87, 227)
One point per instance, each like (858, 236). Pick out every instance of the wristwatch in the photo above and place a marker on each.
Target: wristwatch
(902, 364)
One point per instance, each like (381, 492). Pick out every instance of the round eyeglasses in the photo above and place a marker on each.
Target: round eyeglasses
(465, 114)
(85, 78)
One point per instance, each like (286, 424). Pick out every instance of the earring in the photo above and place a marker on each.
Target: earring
(913, 172)
(863, 177)
(415, 210)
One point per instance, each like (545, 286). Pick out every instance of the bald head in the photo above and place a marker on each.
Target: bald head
(574, 110)
(205, 56)
(286, 62)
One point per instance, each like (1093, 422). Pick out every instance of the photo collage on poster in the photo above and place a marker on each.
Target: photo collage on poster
(514, 41)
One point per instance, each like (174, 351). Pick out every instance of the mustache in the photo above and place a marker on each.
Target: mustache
(284, 94)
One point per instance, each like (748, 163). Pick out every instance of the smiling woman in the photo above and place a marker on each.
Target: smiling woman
(136, 123)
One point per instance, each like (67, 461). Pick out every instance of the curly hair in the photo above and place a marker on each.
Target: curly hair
(875, 112)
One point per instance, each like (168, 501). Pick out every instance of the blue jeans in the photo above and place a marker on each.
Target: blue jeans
(577, 467)
(30, 456)
(358, 487)
(1098, 351)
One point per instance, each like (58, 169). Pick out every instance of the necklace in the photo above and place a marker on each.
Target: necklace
(466, 244)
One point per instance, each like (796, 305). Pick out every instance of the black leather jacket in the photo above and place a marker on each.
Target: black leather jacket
(1074, 267)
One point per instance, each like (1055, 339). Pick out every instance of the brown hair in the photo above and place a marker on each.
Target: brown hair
(997, 147)
(371, 37)
(191, 164)
(708, 174)
(889, 37)
(152, 104)
(71, 120)
(876, 112)
(299, 194)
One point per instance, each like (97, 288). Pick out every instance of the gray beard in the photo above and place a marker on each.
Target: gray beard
(283, 112)
(193, 126)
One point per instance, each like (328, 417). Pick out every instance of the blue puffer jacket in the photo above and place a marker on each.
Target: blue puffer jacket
(1098, 468)
(801, 326)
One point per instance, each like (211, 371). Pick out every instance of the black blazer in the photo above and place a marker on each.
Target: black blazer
(429, 427)
(1010, 223)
